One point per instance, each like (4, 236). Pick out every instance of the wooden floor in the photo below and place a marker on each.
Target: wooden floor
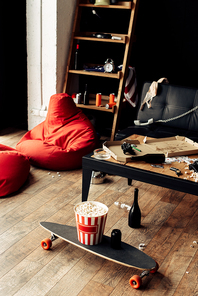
(169, 228)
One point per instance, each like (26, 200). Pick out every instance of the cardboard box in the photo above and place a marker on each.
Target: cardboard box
(115, 150)
(174, 146)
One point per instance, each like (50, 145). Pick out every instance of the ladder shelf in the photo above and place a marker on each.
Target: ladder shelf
(122, 45)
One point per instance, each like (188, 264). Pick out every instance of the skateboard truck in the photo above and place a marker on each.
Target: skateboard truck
(136, 280)
(144, 273)
(53, 237)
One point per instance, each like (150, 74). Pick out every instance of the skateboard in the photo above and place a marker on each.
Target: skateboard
(126, 255)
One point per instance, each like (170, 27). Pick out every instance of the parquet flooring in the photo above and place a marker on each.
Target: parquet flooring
(169, 228)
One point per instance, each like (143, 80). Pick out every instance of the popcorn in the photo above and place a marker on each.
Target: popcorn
(90, 209)
(116, 203)
(142, 246)
(122, 206)
(90, 221)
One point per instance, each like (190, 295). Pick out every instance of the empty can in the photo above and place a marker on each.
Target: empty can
(98, 99)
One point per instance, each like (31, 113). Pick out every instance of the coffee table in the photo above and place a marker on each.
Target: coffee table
(141, 171)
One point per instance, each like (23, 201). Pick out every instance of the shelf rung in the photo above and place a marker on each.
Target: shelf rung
(123, 41)
(99, 74)
(93, 107)
(119, 5)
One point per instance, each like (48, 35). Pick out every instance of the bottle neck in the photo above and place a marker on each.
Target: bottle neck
(135, 195)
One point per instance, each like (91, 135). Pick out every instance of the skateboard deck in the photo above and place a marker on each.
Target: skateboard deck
(127, 255)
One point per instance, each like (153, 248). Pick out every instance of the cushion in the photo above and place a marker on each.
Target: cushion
(14, 170)
(171, 101)
(60, 142)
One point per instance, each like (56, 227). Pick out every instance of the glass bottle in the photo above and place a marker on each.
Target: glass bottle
(134, 218)
(86, 96)
(76, 58)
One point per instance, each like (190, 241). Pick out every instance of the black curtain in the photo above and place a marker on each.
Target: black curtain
(167, 41)
(13, 64)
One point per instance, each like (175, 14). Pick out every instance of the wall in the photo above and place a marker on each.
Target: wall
(49, 26)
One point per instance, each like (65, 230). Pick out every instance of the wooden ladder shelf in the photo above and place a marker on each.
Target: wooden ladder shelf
(72, 75)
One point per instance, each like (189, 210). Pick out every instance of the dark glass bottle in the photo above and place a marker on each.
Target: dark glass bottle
(86, 96)
(76, 58)
(134, 219)
(151, 158)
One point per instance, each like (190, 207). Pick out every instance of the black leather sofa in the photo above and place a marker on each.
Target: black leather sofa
(171, 101)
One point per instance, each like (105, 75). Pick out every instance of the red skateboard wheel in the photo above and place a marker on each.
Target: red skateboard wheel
(135, 281)
(155, 269)
(46, 243)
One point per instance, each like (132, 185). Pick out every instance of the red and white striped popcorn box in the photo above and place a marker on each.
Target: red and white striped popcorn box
(90, 229)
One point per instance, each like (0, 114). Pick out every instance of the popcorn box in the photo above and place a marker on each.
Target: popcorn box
(90, 221)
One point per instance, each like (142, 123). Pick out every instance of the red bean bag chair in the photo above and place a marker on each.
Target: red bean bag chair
(59, 142)
(14, 170)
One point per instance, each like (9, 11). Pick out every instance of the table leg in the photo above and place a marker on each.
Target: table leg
(86, 179)
(129, 182)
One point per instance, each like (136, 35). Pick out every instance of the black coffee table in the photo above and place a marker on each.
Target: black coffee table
(89, 164)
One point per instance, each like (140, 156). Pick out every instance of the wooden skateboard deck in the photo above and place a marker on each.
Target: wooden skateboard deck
(127, 255)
